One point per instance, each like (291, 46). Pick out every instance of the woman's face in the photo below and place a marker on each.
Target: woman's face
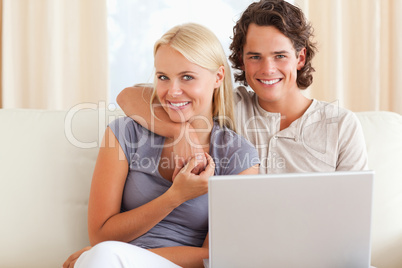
(184, 89)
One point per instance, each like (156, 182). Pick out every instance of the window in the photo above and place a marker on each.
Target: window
(135, 25)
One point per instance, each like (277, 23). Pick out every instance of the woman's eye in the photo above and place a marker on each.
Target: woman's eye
(187, 77)
(163, 77)
(255, 57)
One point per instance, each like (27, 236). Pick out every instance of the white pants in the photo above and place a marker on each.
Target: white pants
(113, 254)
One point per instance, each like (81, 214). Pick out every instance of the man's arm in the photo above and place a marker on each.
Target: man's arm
(135, 102)
(352, 145)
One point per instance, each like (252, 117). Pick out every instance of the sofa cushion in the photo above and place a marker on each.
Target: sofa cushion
(383, 135)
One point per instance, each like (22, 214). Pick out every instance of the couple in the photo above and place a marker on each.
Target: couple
(159, 215)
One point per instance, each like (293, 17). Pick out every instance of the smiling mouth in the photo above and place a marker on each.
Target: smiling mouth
(270, 82)
(179, 104)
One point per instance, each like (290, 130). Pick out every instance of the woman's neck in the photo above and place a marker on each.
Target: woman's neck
(202, 127)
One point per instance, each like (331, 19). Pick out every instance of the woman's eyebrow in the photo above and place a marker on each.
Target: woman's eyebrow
(181, 73)
(187, 72)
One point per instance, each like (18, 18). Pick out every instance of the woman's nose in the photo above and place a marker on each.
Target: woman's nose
(174, 90)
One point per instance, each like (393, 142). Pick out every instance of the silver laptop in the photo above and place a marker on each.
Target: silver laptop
(290, 220)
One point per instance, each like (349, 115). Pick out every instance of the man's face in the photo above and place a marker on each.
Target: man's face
(270, 64)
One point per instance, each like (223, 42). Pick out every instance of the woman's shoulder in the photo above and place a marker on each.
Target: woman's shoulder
(127, 130)
(128, 125)
(231, 152)
(122, 121)
(135, 140)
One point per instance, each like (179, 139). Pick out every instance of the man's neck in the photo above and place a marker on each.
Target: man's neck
(290, 107)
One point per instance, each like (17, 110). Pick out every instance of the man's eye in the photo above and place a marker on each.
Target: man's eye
(280, 56)
(255, 57)
(188, 77)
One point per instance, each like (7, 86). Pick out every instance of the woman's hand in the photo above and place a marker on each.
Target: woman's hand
(70, 262)
(187, 185)
(186, 146)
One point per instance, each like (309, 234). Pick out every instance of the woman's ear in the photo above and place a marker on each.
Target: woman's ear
(301, 58)
(220, 75)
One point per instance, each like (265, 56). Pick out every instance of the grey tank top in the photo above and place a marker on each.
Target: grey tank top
(187, 225)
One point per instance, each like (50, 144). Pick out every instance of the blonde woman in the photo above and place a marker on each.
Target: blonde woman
(154, 216)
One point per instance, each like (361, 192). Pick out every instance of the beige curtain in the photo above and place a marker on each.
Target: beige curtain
(360, 52)
(1, 52)
(54, 53)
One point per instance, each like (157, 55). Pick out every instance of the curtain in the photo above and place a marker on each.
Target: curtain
(54, 53)
(1, 52)
(360, 51)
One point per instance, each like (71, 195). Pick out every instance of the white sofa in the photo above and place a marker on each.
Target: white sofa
(46, 164)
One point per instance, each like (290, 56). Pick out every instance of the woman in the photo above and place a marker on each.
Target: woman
(136, 198)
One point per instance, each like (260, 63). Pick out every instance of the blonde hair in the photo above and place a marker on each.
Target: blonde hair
(200, 46)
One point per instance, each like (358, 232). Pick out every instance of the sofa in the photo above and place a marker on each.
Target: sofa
(46, 164)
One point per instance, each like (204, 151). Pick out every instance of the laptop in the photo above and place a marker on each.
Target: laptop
(290, 220)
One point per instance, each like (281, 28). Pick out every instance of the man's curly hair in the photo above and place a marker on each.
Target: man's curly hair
(289, 20)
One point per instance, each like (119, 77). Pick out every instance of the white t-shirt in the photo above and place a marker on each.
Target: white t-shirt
(326, 138)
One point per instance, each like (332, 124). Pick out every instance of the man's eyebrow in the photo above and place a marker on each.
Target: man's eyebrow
(281, 52)
(253, 53)
(274, 53)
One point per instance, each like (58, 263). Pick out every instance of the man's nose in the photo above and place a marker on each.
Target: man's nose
(269, 66)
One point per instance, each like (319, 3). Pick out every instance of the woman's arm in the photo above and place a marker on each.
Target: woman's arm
(251, 170)
(193, 256)
(183, 256)
(106, 222)
(103, 227)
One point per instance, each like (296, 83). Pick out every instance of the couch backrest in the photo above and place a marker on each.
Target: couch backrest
(46, 164)
(47, 159)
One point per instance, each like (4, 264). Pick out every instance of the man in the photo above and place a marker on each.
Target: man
(272, 49)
